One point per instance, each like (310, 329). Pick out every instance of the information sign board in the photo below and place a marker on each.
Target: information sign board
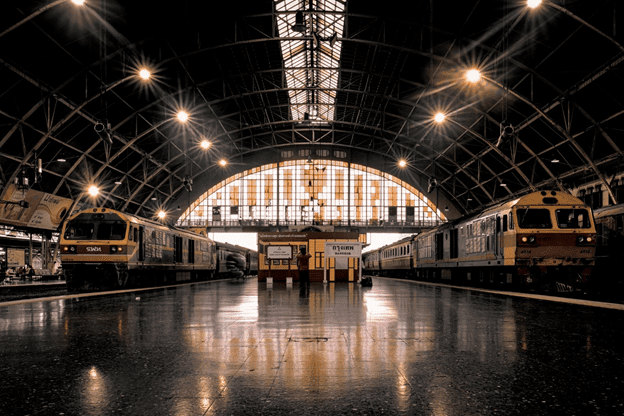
(279, 252)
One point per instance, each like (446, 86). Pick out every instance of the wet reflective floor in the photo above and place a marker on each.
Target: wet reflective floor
(236, 348)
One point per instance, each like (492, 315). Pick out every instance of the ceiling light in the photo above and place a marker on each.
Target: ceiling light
(223, 162)
(473, 76)
(183, 116)
(78, 2)
(205, 144)
(162, 214)
(93, 190)
(299, 25)
(144, 73)
(554, 161)
(439, 117)
(61, 160)
(533, 3)
(402, 163)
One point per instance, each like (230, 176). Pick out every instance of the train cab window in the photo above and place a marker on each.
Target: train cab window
(79, 230)
(130, 233)
(534, 218)
(572, 218)
(504, 223)
(111, 230)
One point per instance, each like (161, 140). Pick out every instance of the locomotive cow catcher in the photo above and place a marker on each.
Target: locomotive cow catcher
(542, 241)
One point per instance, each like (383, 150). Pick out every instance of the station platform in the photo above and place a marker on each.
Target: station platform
(238, 348)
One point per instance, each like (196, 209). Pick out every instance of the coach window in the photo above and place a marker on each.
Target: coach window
(504, 223)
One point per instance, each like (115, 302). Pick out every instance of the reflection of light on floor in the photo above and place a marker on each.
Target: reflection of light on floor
(379, 308)
(245, 311)
(94, 391)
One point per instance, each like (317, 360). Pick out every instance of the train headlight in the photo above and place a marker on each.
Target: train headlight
(116, 249)
(583, 239)
(528, 239)
(69, 249)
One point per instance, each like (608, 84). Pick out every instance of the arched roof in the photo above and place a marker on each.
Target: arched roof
(551, 76)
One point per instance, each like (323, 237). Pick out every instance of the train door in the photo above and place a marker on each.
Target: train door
(141, 243)
(191, 251)
(439, 246)
(497, 237)
(178, 250)
(454, 243)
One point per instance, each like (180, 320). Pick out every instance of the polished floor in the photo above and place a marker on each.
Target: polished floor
(234, 348)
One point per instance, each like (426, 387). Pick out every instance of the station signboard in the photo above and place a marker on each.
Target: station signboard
(343, 249)
(279, 252)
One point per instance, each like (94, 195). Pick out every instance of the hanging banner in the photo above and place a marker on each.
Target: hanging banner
(45, 211)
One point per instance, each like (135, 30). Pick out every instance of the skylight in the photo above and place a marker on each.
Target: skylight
(312, 59)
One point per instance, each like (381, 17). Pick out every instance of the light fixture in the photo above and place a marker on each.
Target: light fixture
(205, 144)
(503, 184)
(145, 74)
(223, 162)
(118, 182)
(439, 117)
(446, 208)
(104, 131)
(433, 182)
(93, 190)
(505, 133)
(182, 116)
(473, 75)
(21, 181)
(187, 183)
(402, 163)
(299, 25)
(533, 3)
(554, 161)
(78, 2)
(162, 214)
(61, 160)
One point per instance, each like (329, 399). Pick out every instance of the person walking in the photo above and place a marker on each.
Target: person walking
(303, 264)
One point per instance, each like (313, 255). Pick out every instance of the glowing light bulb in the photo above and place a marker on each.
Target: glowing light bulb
(145, 74)
(183, 116)
(78, 2)
(162, 214)
(439, 117)
(533, 3)
(205, 144)
(402, 163)
(473, 76)
(223, 162)
(93, 190)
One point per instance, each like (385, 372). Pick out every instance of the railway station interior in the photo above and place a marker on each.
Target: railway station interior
(316, 207)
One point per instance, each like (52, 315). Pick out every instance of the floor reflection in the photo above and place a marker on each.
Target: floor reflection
(229, 348)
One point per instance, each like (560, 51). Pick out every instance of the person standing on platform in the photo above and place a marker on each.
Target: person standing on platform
(303, 264)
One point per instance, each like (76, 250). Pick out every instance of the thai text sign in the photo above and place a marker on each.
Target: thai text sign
(343, 249)
(279, 252)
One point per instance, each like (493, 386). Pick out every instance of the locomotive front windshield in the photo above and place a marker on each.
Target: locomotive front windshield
(572, 218)
(95, 230)
(534, 218)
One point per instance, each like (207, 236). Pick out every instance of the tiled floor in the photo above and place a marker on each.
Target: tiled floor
(241, 348)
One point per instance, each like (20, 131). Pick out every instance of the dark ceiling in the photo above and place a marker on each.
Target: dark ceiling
(552, 75)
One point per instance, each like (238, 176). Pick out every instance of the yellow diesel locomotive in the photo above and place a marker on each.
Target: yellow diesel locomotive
(544, 240)
(101, 247)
